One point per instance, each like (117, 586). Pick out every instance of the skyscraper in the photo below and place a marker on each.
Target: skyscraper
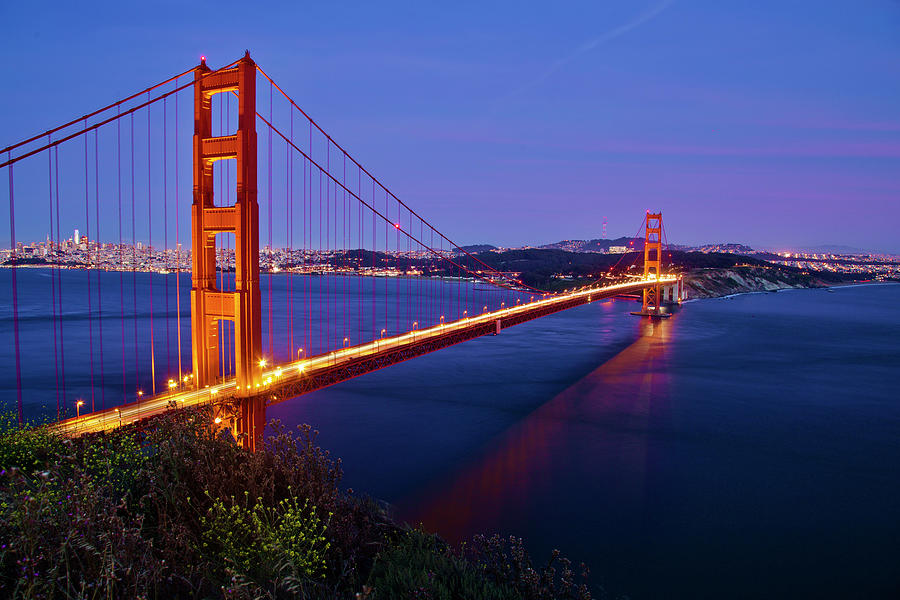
(77, 237)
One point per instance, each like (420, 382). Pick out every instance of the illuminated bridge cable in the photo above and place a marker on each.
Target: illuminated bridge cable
(59, 288)
(15, 292)
(289, 234)
(150, 254)
(99, 124)
(87, 231)
(99, 299)
(137, 374)
(376, 180)
(269, 247)
(634, 237)
(177, 247)
(121, 257)
(166, 239)
(439, 253)
(52, 255)
(117, 104)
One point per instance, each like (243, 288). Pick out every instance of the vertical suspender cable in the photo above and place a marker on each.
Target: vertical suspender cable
(269, 253)
(177, 247)
(397, 266)
(99, 245)
(53, 266)
(375, 332)
(329, 336)
(359, 258)
(289, 232)
(62, 345)
(120, 252)
(166, 237)
(150, 257)
(87, 232)
(387, 238)
(323, 286)
(15, 291)
(137, 371)
(307, 257)
(342, 195)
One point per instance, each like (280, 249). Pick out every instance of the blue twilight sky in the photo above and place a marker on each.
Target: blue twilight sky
(772, 123)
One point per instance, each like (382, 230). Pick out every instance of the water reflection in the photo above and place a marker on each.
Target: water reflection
(570, 436)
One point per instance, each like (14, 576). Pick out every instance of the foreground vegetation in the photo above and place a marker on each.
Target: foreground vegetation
(173, 510)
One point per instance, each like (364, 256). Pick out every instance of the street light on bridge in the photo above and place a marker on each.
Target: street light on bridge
(78, 406)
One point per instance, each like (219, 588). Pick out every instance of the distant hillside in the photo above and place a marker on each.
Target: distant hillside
(729, 248)
(475, 248)
(595, 245)
(711, 283)
(542, 267)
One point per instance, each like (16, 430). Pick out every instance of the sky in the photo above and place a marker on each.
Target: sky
(770, 123)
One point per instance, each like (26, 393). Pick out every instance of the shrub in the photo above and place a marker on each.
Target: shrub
(252, 540)
(27, 448)
(115, 459)
(175, 509)
(506, 560)
(420, 565)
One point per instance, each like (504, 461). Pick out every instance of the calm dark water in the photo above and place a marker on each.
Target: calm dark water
(747, 447)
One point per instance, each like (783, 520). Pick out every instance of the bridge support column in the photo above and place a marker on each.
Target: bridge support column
(251, 422)
(209, 305)
(653, 295)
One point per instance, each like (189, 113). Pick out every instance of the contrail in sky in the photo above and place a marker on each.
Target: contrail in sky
(647, 14)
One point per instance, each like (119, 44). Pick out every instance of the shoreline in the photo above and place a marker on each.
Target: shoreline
(793, 289)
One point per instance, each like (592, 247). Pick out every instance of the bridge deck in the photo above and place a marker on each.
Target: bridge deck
(285, 381)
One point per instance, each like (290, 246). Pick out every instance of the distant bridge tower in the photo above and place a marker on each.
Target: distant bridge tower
(209, 305)
(653, 295)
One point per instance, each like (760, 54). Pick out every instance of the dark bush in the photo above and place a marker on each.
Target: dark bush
(176, 509)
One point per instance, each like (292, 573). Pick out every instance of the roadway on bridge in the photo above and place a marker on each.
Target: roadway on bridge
(280, 376)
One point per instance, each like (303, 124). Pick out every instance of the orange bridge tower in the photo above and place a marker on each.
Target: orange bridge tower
(209, 305)
(653, 294)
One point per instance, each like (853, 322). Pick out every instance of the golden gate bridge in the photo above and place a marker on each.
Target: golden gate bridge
(354, 259)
